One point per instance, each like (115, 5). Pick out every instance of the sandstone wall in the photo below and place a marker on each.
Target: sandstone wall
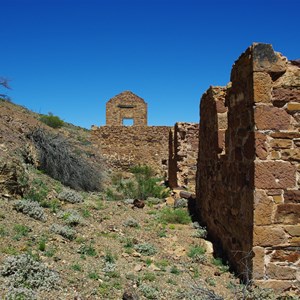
(126, 146)
(248, 188)
(183, 155)
(126, 105)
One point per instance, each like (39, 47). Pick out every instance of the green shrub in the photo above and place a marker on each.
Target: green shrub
(71, 217)
(88, 250)
(219, 263)
(21, 231)
(145, 249)
(175, 216)
(38, 191)
(52, 121)
(149, 292)
(64, 231)
(142, 186)
(21, 293)
(30, 208)
(24, 271)
(197, 254)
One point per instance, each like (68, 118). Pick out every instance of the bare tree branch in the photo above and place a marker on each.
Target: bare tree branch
(4, 82)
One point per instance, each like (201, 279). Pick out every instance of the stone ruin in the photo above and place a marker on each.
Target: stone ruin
(246, 172)
(126, 106)
(166, 149)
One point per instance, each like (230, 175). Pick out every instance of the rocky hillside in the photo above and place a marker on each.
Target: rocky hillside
(58, 243)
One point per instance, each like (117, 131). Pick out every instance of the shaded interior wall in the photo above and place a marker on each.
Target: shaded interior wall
(126, 146)
(183, 149)
(224, 184)
(248, 192)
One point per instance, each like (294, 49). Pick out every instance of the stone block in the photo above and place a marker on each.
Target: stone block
(258, 263)
(295, 241)
(288, 213)
(260, 145)
(222, 121)
(286, 94)
(292, 196)
(285, 256)
(271, 118)
(285, 135)
(277, 285)
(291, 154)
(265, 59)
(274, 175)
(281, 144)
(278, 199)
(263, 208)
(293, 107)
(262, 86)
(275, 271)
(274, 155)
(293, 230)
(269, 236)
(220, 106)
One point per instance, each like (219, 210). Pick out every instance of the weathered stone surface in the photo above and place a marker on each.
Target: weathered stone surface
(126, 146)
(240, 191)
(126, 105)
(280, 272)
(290, 79)
(288, 213)
(274, 175)
(281, 143)
(183, 154)
(292, 196)
(220, 106)
(266, 60)
(278, 285)
(286, 94)
(269, 236)
(262, 85)
(285, 135)
(278, 199)
(291, 154)
(293, 230)
(285, 256)
(295, 241)
(271, 118)
(263, 208)
(13, 178)
(258, 262)
(261, 149)
(293, 106)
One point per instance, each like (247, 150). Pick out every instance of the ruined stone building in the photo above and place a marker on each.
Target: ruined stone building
(243, 161)
(171, 152)
(248, 172)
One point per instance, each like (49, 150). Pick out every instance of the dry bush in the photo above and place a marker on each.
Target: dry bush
(58, 160)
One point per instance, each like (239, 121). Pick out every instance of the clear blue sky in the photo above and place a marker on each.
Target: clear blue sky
(69, 57)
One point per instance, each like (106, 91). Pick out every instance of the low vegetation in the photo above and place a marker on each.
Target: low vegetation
(142, 185)
(52, 121)
(59, 161)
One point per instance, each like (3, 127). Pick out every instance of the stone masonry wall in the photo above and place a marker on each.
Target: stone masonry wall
(183, 155)
(248, 190)
(126, 146)
(126, 105)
